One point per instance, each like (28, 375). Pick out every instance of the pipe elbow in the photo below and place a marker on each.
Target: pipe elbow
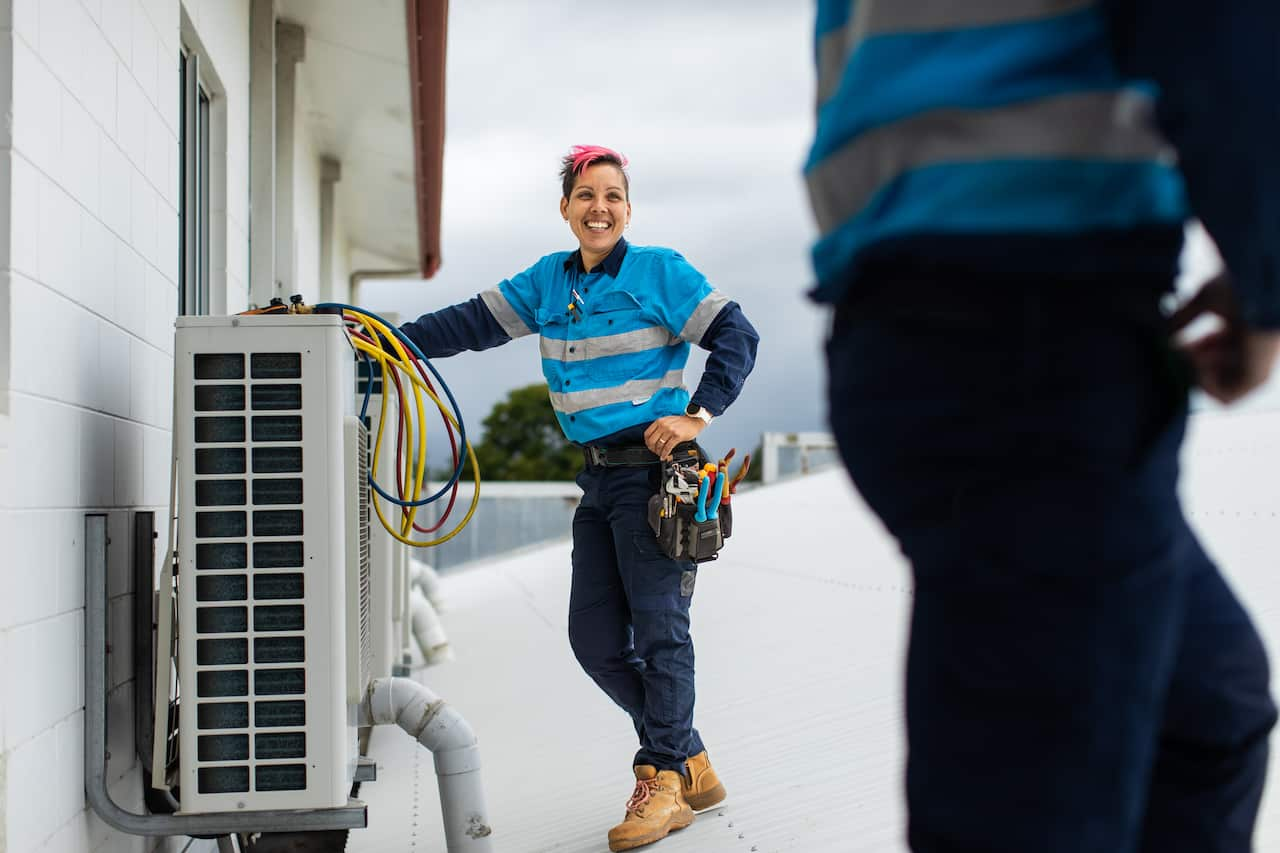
(428, 630)
(417, 710)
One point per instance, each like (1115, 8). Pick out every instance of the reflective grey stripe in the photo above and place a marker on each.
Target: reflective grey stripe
(605, 345)
(700, 320)
(633, 391)
(880, 17)
(1091, 126)
(502, 311)
(883, 17)
(832, 53)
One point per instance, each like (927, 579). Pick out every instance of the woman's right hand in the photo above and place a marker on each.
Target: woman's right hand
(1234, 359)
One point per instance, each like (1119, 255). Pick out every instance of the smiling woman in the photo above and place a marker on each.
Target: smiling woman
(596, 201)
(615, 323)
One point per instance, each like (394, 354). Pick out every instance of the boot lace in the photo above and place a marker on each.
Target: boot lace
(642, 794)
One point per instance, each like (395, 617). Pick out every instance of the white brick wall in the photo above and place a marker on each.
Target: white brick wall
(89, 263)
(89, 176)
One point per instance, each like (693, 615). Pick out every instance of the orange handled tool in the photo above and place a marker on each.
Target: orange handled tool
(742, 472)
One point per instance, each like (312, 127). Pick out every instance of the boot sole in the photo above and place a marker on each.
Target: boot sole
(707, 799)
(677, 823)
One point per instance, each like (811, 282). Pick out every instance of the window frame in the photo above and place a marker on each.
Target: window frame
(194, 166)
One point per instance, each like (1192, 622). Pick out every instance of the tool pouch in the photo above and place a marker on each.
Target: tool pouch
(681, 537)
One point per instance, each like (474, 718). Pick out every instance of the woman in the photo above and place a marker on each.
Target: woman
(616, 322)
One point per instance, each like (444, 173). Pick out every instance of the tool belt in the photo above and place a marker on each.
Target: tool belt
(618, 457)
(634, 455)
(689, 515)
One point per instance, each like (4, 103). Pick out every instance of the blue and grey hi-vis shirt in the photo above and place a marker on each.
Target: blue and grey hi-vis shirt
(970, 119)
(1067, 136)
(615, 360)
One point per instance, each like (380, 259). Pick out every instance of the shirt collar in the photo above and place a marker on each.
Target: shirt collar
(611, 264)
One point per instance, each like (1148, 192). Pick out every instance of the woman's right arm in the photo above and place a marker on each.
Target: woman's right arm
(485, 321)
(468, 325)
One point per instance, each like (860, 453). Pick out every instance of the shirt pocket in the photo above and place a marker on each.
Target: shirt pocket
(622, 338)
(553, 329)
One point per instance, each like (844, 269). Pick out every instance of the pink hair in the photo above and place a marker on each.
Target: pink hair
(582, 156)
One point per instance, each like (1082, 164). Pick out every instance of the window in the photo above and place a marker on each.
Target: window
(193, 189)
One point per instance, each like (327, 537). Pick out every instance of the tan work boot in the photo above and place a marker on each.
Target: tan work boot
(655, 809)
(700, 784)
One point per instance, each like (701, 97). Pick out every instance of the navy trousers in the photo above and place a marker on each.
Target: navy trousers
(629, 613)
(1079, 677)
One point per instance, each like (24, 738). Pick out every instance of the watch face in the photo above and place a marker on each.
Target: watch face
(691, 410)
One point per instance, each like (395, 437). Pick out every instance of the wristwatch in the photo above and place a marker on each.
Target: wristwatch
(693, 410)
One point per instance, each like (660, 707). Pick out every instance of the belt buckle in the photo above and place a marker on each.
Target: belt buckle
(597, 456)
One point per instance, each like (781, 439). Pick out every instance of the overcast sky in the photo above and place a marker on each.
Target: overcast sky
(712, 103)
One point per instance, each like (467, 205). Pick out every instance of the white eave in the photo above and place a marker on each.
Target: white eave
(358, 111)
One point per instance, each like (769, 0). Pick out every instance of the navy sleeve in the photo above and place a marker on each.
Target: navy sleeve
(468, 325)
(1218, 74)
(732, 341)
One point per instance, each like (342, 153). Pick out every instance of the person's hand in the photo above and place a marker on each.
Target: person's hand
(665, 433)
(1234, 359)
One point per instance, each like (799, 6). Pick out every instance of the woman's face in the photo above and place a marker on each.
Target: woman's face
(597, 209)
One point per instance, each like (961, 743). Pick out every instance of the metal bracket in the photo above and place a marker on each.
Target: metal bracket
(351, 816)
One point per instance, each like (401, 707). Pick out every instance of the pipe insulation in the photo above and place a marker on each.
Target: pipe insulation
(428, 630)
(439, 727)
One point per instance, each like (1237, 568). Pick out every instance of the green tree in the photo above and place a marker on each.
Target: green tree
(523, 440)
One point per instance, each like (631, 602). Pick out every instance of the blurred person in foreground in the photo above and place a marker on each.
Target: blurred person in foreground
(1001, 190)
(615, 323)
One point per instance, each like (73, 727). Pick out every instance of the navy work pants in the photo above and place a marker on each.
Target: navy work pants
(629, 613)
(1079, 677)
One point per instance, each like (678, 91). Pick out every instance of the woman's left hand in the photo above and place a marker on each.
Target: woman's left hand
(665, 433)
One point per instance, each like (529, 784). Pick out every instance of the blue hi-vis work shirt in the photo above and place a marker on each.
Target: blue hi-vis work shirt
(942, 125)
(615, 360)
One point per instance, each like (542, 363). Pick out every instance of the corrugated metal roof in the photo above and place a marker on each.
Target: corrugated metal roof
(799, 631)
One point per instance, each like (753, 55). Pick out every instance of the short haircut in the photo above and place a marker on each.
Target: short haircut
(581, 156)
